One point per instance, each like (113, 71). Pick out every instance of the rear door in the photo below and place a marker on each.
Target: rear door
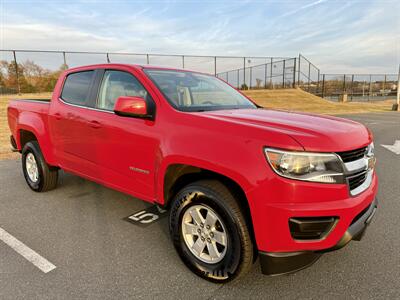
(70, 124)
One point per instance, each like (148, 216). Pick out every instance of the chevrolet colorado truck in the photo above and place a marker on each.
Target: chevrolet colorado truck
(240, 182)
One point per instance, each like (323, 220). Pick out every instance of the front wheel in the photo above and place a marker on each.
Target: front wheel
(39, 176)
(209, 231)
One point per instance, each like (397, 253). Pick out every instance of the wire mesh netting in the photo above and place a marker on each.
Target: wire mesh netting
(24, 71)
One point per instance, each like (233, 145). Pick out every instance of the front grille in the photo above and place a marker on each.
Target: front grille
(348, 156)
(357, 180)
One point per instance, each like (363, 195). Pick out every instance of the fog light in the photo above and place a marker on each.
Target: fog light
(311, 228)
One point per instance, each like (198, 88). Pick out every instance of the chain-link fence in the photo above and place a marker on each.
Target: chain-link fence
(276, 73)
(28, 71)
(308, 76)
(358, 87)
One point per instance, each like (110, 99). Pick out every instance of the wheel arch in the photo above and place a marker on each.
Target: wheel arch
(25, 136)
(179, 175)
(32, 128)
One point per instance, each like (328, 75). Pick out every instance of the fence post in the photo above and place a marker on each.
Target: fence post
(108, 58)
(294, 73)
(238, 83)
(16, 73)
(265, 75)
(344, 84)
(147, 59)
(309, 75)
(298, 72)
(283, 74)
(65, 59)
(317, 91)
(270, 74)
(183, 61)
(323, 86)
(351, 87)
(215, 65)
(384, 86)
(251, 77)
(244, 71)
(369, 89)
(398, 89)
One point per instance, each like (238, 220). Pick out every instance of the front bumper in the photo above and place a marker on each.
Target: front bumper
(278, 263)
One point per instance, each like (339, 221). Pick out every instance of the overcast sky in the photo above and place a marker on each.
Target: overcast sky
(337, 36)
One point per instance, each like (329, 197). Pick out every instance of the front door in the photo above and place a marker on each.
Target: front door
(126, 147)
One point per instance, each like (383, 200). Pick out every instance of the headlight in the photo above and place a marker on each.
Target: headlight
(307, 166)
(370, 150)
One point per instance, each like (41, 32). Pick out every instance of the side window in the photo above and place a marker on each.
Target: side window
(116, 84)
(76, 87)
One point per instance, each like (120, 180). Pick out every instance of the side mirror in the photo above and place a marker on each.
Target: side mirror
(137, 107)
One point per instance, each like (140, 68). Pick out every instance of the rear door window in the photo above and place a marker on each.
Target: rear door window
(76, 87)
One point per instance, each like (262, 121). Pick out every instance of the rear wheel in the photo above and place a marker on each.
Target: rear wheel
(209, 231)
(39, 176)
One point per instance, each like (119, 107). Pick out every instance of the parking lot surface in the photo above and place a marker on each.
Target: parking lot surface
(80, 228)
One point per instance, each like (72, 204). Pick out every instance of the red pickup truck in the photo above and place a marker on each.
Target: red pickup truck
(240, 181)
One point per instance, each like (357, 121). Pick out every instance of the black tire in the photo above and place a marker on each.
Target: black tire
(238, 258)
(48, 176)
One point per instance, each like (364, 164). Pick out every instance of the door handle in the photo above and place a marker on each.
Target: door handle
(57, 116)
(94, 124)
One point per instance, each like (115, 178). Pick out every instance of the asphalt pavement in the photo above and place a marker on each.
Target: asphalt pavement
(81, 228)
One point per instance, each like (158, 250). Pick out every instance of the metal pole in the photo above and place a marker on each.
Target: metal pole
(244, 71)
(147, 59)
(183, 61)
(251, 77)
(369, 89)
(294, 73)
(351, 87)
(238, 84)
(108, 58)
(318, 83)
(265, 75)
(298, 76)
(384, 86)
(323, 86)
(398, 89)
(344, 84)
(309, 75)
(283, 74)
(16, 73)
(270, 78)
(215, 65)
(65, 59)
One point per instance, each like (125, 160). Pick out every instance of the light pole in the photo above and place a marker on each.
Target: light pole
(396, 106)
(398, 89)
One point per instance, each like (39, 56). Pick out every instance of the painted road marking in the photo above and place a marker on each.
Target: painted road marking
(40, 262)
(395, 148)
(147, 216)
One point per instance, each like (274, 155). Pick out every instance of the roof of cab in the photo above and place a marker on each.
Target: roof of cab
(111, 65)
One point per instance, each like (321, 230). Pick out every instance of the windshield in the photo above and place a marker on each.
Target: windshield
(189, 91)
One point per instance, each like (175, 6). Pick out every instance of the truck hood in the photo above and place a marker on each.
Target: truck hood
(313, 132)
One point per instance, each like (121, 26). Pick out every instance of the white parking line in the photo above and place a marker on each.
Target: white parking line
(40, 262)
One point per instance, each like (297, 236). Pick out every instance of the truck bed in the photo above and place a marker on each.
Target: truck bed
(26, 109)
